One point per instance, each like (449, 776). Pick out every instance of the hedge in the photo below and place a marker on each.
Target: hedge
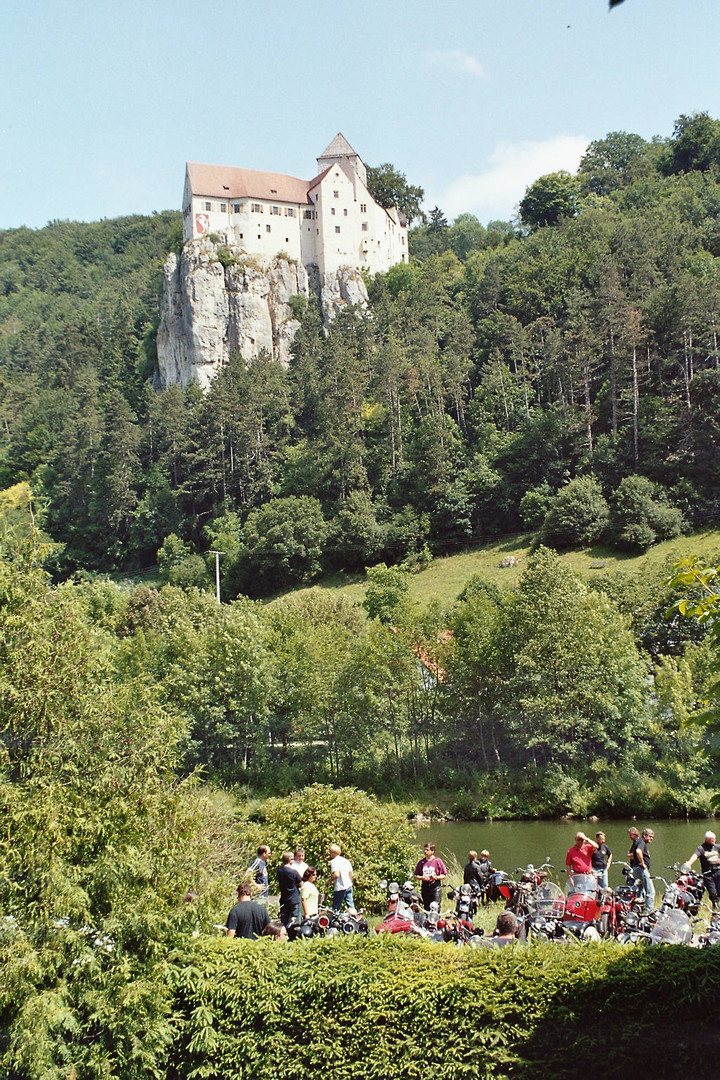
(398, 1009)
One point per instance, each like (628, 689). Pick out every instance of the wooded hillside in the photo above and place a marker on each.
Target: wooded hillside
(508, 377)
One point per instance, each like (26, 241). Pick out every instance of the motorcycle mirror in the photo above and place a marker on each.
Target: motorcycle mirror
(434, 906)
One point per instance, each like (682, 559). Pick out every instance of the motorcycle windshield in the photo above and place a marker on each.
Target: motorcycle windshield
(672, 928)
(549, 900)
(581, 883)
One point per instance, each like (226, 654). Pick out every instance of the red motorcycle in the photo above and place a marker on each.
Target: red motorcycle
(583, 906)
(685, 892)
(403, 910)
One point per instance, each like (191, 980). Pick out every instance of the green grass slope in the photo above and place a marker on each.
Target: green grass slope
(445, 578)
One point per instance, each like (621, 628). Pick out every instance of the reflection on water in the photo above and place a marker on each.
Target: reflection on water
(516, 843)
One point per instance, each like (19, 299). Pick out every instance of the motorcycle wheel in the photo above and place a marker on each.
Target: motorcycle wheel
(604, 925)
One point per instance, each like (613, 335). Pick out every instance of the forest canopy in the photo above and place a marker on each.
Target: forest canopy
(511, 375)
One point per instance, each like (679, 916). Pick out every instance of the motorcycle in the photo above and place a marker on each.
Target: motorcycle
(403, 909)
(518, 895)
(460, 928)
(712, 934)
(500, 887)
(685, 892)
(338, 923)
(636, 928)
(583, 906)
(545, 921)
(466, 898)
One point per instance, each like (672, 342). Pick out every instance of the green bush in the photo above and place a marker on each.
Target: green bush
(640, 515)
(578, 514)
(369, 1010)
(377, 839)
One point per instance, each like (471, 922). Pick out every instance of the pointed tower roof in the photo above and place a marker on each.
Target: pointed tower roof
(341, 151)
(339, 147)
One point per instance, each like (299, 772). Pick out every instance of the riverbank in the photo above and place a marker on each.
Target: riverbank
(492, 802)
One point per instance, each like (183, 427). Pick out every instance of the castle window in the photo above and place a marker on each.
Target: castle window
(276, 210)
(363, 208)
(256, 208)
(336, 194)
(332, 211)
(240, 235)
(337, 228)
(208, 206)
(287, 239)
(223, 208)
(236, 207)
(364, 226)
(267, 228)
(402, 239)
(345, 212)
(308, 214)
(290, 212)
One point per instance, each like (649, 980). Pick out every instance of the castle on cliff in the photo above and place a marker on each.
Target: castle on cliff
(331, 222)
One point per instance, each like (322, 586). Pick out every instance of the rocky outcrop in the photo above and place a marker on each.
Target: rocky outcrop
(216, 300)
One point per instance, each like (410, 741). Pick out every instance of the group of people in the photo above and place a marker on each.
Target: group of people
(299, 894)
(588, 856)
(300, 898)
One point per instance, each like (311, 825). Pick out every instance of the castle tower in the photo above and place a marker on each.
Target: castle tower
(340, 151)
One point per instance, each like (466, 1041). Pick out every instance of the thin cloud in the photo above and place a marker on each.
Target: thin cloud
(496, 192)
(457, 61)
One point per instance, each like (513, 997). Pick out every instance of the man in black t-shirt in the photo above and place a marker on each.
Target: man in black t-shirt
(289, 882)
(601, 860)
(247, 919)
(640, 863)
(709, 855)
(477, 871)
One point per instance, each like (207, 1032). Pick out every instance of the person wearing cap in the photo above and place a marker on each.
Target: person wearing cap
(579, 857)
(709, 855)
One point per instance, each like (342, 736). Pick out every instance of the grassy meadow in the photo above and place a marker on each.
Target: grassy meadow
(443, 580)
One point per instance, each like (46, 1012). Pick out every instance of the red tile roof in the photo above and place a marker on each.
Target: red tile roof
(224, 182)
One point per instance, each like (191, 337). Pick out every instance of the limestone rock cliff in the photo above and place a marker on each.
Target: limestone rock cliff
(216, 300)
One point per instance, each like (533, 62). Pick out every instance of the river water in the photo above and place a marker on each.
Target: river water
(516, 843)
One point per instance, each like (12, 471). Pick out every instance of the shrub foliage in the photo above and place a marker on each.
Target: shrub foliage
(368, 1010)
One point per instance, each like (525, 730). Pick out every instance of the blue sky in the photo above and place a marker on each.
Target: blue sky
(102, 103)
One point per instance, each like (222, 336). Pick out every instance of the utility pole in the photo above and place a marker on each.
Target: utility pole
(217, 555)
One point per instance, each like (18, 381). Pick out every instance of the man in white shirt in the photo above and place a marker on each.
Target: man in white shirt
(341, 872)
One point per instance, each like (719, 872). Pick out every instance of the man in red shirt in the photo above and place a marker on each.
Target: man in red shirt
(579, 858)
